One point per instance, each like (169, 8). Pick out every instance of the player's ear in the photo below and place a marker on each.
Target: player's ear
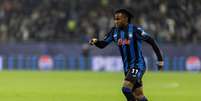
(127, 19)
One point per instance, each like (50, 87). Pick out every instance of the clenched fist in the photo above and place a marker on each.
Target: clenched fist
(93, 41)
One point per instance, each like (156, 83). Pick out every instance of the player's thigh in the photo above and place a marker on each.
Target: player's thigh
(128, 84)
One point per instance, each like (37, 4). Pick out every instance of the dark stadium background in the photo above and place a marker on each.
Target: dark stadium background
(45, 55)
(58, 31)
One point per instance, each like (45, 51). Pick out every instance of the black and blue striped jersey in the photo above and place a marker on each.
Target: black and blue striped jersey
(129, 40)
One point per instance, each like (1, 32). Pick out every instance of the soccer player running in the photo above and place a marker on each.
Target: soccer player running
(129, 39)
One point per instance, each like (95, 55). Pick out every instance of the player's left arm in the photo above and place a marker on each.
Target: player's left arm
(144, 36)
(103, 43)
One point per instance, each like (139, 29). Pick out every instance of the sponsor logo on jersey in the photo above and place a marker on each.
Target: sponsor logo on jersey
(130, 35)
(115, 35)
(123, 42)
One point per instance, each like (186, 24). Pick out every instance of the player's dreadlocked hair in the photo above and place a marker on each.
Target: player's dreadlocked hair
(125, 12)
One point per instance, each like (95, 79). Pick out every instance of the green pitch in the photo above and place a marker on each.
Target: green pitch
(94, 86)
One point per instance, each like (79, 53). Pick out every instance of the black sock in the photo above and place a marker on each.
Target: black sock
(128, 94)
(143, 99)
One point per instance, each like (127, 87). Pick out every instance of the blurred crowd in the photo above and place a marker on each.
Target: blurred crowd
(169, 21)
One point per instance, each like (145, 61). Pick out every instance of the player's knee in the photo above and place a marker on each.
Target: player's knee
(128, 84)
(126, 90)
(139, 97)
(138, 93)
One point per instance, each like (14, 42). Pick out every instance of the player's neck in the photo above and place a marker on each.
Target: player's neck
(124, 27)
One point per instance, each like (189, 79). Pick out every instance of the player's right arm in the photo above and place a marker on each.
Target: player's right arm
(102, 43)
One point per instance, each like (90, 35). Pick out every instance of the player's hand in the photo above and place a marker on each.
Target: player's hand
(160, 65)
(93, 41)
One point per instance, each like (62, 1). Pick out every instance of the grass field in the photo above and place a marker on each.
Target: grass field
(95, 86)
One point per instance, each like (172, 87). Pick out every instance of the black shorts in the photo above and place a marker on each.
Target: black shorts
(135, 77)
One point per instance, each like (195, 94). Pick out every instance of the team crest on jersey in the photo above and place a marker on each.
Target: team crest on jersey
(130, 35)
(123, 42)
(115, 35)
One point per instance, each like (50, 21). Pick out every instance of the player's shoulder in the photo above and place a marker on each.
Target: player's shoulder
(136, 28)
(141, 31)
(132, 26)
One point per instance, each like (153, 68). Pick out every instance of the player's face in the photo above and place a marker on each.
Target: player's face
(120, 20)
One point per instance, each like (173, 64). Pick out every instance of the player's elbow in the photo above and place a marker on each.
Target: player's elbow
(101, 47)
(101, 44)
